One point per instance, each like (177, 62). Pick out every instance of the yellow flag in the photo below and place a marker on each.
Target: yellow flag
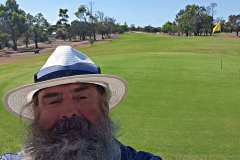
(217, 28)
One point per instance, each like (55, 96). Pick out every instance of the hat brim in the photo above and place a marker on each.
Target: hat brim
(17, 100)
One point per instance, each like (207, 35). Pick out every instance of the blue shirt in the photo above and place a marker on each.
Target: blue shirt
(127, 153)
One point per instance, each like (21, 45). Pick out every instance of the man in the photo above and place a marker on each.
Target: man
(68, 106)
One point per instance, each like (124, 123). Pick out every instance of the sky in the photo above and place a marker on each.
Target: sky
(138, 12)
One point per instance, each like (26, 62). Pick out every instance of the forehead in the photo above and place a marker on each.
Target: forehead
(66, 87)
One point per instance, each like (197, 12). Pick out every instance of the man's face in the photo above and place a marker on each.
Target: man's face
(64, 101)
(72, 122)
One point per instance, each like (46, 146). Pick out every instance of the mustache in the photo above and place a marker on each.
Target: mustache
(75, 123)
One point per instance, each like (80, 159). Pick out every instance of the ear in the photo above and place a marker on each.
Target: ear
(36, 112)
(35, 105)
(104, 107)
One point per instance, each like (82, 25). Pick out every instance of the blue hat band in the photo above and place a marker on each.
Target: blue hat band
(58, 71)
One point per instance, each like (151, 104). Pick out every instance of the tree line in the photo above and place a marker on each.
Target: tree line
(198, 20)
(16, 25)
(195, 20)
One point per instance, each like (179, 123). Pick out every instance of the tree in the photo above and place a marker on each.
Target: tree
(63, 16)
(194, 20)
(167, 27)
(132, 27)
(40, 29)
(92, 22)
(100, 16)
(206, 24)
(78, 29)
(81, 13)
(234, 23)
(75, 30)
(4, 38)
(237, 25)
(125, 27)
(211, 9)
(148, 28)
(151, 29)
(182, 19)
(12, 20)
(28, 29)
(62, 24)
(227, 27)
(110, 26)
(100, 25)
(101, 29)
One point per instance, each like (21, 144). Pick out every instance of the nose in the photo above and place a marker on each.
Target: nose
(68, 109)
(64, 116)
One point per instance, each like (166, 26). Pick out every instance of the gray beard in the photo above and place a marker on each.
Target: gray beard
(75, 140)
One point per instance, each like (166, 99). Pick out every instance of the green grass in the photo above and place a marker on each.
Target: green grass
(181, 103)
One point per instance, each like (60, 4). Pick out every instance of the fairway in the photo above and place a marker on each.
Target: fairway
(183, 99)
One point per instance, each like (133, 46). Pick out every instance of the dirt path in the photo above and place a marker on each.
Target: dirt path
(7, 57)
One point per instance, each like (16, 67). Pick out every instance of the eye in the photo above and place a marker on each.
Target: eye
(80, 97)
(83, 97)
(54, 102)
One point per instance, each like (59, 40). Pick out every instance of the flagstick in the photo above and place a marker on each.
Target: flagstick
(221, 63)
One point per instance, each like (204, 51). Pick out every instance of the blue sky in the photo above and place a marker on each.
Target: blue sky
(138, 12)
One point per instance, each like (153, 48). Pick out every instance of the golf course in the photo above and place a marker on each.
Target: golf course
(183, 98)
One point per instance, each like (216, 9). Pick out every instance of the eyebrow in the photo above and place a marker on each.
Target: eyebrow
(80, 88)
(51, 95)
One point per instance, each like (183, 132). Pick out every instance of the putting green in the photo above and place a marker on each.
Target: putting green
(183, 100)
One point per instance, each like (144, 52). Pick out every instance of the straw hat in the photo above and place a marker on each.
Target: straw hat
(65, 65)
